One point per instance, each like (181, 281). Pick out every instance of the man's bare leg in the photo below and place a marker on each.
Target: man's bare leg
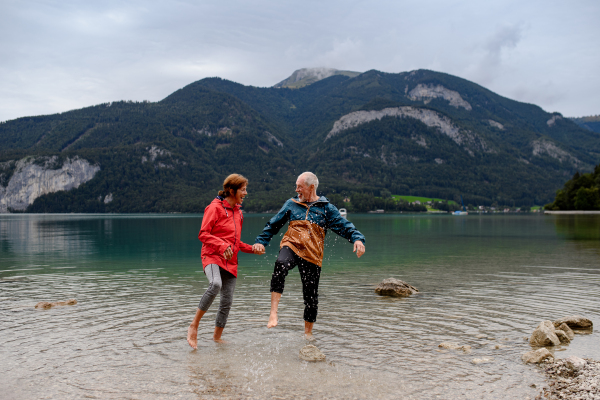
(275, 297)
(217, 334)
(308, 326)
(192, 336)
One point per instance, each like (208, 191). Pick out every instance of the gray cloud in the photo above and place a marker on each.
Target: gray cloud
(56, 56)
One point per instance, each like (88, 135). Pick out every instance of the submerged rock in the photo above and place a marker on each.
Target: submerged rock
(395, 287)
(483, 360)
(544, 335)
(454, 346)
(311, 353)
(536, 356)
(46, 304)
(575, 322)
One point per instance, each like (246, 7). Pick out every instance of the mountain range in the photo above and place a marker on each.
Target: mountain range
(364, 134)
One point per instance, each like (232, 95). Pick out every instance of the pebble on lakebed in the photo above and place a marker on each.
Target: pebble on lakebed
(46, 305)
(395, 288)
(454, 346)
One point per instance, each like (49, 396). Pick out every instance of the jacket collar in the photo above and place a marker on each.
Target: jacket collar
(225, 203)
(321, 199)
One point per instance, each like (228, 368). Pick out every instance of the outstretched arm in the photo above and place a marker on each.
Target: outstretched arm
(272, 227)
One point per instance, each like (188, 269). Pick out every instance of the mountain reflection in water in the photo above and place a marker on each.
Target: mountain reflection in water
(485, 281)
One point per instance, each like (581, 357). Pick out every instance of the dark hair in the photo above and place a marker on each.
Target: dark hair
(232, 182)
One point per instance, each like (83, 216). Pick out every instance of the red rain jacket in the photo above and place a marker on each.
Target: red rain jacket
(221, 228)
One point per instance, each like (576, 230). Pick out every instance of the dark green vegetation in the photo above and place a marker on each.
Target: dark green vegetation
(172, 156)
(591, 123)
(582, 192)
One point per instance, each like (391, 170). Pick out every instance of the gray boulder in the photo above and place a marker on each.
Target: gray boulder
(562, 336)
(568, 331)
(575, 363)
(311, 353)
(575, 322)
(544, 335)
(395, 287)
(536, 356)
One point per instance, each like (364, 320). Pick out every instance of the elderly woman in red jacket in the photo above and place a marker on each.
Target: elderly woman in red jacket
(220, 237)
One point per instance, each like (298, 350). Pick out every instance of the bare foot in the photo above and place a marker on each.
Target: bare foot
(309, 337)
(192, 336)
(220, 341)
(272, 321)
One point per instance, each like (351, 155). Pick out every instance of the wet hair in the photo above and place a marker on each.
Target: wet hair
(232, 182)
(310, 179)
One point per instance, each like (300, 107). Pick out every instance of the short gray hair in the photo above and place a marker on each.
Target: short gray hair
(310, 179)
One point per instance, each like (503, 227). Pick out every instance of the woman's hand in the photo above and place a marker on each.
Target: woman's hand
(228, 253)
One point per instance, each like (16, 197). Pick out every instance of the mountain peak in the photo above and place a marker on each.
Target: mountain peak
(306, 76)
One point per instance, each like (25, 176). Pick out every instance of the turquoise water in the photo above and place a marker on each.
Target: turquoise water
(484, 280)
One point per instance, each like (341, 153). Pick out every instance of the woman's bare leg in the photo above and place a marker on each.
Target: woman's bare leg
(192, 336)
(217, 335)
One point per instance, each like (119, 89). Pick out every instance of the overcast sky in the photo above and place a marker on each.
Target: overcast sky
(57, 56)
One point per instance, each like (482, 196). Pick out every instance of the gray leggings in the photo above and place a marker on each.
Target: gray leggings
(223, 281)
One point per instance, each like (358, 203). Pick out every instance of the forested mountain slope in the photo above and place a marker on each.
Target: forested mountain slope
(419, 132)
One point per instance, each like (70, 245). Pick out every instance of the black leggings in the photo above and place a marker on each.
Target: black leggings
(309, 273)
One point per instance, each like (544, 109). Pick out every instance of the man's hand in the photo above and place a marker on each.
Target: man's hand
(359, 248)
(228, 253)
(258, 248)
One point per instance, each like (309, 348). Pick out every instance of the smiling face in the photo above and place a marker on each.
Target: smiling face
(240, 194)
(304, 191)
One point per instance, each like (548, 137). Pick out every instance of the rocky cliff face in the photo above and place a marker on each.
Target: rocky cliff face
(467, 139)
(33, 178)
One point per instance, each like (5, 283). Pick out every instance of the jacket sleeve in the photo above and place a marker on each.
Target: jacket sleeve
(342, 226)
(274, 225)
(211, 216)
(245, 248)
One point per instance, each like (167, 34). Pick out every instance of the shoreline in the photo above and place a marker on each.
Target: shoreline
(570, 378)
(570, 212)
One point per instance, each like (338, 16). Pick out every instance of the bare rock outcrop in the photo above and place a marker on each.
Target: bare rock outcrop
(395, 288)
(562, 336)
(46, 305)
(541, 147)
(537, 356)
(34, 177)
(429, 92)
(311, 353)
(544, 335)
(575, 322)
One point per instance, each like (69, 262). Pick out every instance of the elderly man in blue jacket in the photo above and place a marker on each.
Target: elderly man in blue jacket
(309, 217)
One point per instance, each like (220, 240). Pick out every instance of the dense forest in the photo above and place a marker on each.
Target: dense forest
(582, 192)
(172, 155)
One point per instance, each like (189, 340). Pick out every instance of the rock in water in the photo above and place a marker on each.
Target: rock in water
(536, 356)
(562, 336)
(454, 346)
(544, 335)
(311, 353)
(568, 331)
(395, 287)
(575, 322)
(46, 305)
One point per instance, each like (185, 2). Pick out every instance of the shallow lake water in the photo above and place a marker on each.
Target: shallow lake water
(485, 281)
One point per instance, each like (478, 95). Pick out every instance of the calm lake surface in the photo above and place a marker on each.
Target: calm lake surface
(486, 281)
